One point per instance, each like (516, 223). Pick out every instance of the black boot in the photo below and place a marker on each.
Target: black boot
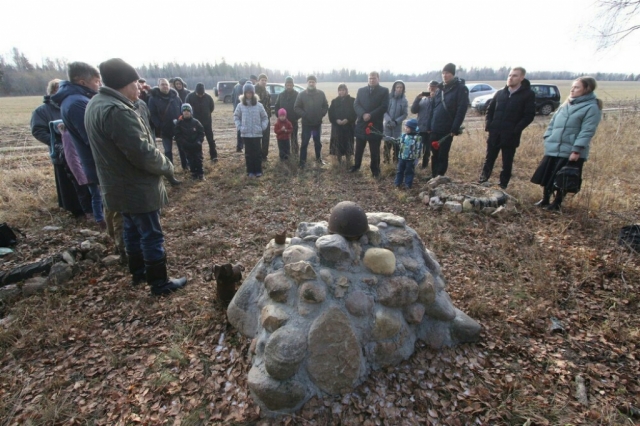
(156, 273)
(136, 267)
(557, 202)
(546, 195)
(173, 181)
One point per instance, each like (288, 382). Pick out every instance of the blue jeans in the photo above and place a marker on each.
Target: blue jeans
(143, 233)
(96, 201)
(307, 133)
(405, 172)
(167, 144)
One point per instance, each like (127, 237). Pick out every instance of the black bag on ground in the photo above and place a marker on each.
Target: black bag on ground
(7, 236)
(630, 237)
(568, 179)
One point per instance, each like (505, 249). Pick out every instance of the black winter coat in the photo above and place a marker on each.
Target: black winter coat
(189, 132)
(265, 98)
(164, 109)
(311, 105)
(376, 103)
(342, 108)
(287, 100)
(48, 111)
(448, 120)
(203, 107)
(509, 114)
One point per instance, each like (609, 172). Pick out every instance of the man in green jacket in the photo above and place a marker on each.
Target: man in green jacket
(130, 169)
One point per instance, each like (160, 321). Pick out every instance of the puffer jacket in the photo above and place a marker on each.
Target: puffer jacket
(164, 109)
(189, 132)
(396, 112)
(456, 97)
(422, 107)
(410, 146)
(287, 100)
(572, 127)
(251, 120)
(509, 114)
(311, 105)
(73, 100)
(129, 165)
(40, 118)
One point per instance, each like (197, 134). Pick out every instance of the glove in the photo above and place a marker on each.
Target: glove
(435, 145)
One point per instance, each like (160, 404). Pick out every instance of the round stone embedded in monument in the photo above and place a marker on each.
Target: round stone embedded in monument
(348, 219)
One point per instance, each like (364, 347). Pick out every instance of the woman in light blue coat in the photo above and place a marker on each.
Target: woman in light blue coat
(393, 118)
(568, 138)
(251, 120)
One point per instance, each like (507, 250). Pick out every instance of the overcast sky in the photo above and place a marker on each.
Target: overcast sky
(409, 36)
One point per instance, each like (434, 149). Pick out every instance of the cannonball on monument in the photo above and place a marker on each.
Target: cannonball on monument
(349, 220)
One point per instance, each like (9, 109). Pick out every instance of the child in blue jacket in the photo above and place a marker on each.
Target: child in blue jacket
(409, 151)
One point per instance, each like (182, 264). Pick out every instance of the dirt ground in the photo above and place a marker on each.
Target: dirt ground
(100, 351)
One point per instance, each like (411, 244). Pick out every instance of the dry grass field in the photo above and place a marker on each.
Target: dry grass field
(100, 352)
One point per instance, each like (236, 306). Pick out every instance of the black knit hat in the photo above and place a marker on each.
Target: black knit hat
(450, 68)
(116, 73)
(200, 88)
(433, 83)
(312, 78)
(253, 77)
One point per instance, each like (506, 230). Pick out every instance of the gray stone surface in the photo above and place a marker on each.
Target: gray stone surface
(69, 258)
(333, 248)
(442, 308)
(454, 206)
(273, 317)
(380, 261)
(312, 292)
(293, 254)
(316, 229)
(275, 395)
(299, 271)
(387, 323)
(414, 313)
(111, 260)
(334, 353)
(277, 286)
(359, 304)
(34, 285)
(464, 328)
(427, 290)
(60, 274)
(9, 292)
(397, 291)
(373, 235)
(388, 218)
(285, 350)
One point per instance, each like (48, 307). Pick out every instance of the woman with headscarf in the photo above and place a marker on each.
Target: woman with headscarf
(567, 141)
(343, 117)
(71, 196)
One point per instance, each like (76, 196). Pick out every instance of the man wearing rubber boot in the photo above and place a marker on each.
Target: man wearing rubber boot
(130, 169)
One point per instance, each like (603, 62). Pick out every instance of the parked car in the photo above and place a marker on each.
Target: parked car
(275, 89)
(479, 89)
(547, 99)
(223, 90)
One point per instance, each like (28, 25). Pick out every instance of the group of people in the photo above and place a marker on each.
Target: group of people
(101, 126)
(106, 161)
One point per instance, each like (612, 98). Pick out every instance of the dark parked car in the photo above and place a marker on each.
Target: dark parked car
(275, 89)
(547, 99)
(223, 90)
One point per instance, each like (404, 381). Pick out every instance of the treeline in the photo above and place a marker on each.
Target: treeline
(19, 76)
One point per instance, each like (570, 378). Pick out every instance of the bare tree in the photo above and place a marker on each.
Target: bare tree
(618, 20)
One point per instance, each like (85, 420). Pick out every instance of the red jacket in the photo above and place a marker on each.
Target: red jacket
(283, 129)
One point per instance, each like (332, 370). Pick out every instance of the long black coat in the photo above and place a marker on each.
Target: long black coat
(164, 109)
(374, 102)
(509, 114)
(287, 100)
(203, 107)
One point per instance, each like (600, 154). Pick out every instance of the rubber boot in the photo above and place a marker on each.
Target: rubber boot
(546, 195)
(557, 202)
(136, 267)
(156, 273)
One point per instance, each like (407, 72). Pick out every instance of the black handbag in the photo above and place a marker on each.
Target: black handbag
(568, 179)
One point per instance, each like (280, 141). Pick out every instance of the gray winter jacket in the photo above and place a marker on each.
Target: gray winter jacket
(422, 107)
(572, 127)
(396, 112)
(311, 105)
(251, 120)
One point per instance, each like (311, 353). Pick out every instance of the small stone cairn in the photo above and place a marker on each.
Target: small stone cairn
(462, 197)
(324, 310)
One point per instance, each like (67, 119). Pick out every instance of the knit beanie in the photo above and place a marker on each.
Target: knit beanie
(450, 68)
(433, 83)
(242, 81)
(116, 73)
(261, 76)
(253, 77)
(200, 88)
(282, 111)
(186, 107)
(248, 87)
(312, 78)
(412, 124)
(289, 79)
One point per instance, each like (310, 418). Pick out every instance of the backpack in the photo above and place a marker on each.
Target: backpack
(568, 179)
